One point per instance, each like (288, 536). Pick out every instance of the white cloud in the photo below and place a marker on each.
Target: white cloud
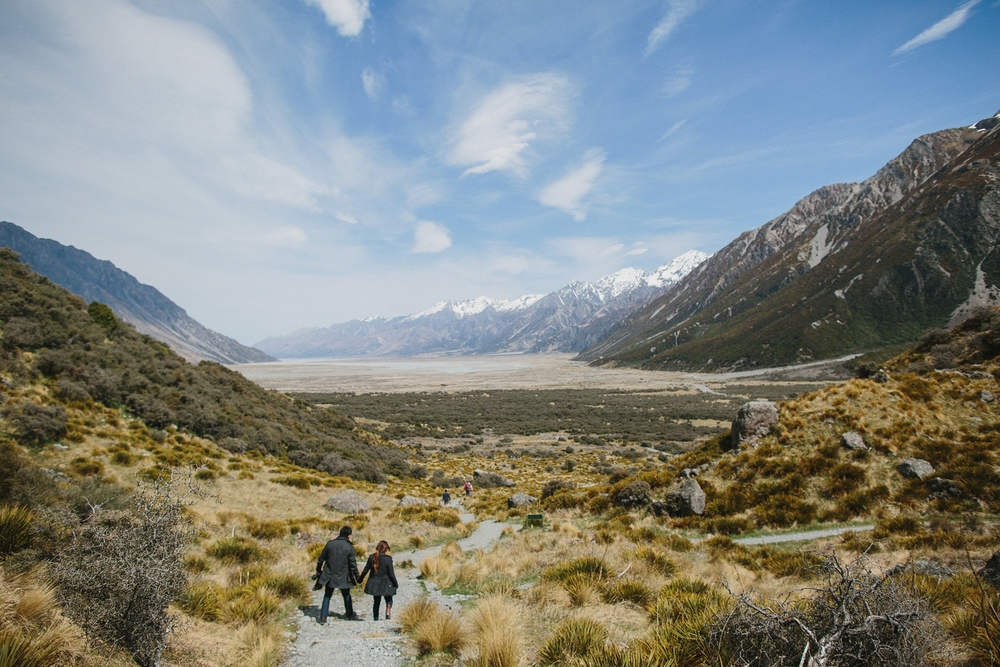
(587, 249)
(673, 128)
(502, 127)
(568, 192)
(374, 83)
(349, 219)
(431, 237)
(636, 252)
(677, 11)
(678, 81)
(286, 237)
(941, 29)
(347, 16)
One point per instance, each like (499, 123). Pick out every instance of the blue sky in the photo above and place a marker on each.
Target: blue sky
(281, 164)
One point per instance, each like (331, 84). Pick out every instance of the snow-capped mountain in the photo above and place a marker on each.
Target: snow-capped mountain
(567, 320)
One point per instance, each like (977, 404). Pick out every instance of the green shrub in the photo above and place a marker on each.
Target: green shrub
(238, 550)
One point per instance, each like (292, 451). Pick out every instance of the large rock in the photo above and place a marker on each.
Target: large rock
(754, 420)
(915, 468)
(489, 480)
(853, 441)
(685, 499)
(410, 501)
(348, 502)
(636, 494)
(991, 571)
(520, 500)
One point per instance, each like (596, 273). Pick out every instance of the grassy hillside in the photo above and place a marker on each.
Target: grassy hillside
(83, 355)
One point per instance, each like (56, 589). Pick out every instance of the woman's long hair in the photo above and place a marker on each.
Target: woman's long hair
(382, 547)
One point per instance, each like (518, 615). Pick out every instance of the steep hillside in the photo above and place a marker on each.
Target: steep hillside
(567, 320)
(850, 267)
(86, 355)
(141, 305)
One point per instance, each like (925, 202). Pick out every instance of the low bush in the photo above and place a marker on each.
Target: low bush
(590, 566)
(265, 530)
(238, 550)
(629, 590)
(575, 639)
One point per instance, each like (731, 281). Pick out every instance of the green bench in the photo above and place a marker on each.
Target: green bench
(537, 520)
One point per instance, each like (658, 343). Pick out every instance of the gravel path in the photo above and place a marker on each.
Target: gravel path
(369, 643)
(802, 536)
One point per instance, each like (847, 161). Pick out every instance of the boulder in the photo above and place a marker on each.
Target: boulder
(520, 500)
(754, 420)
(853, 441)
(410, 501)
(987, 396)
(880, 376)
(348, 502)
(636, 494)
(659, 508)
(940, 487)
(915, 468)
(484, 479)
(991, 571)
(926, 567)
(685, 499)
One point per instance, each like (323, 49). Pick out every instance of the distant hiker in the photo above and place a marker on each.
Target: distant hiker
(382, 582)
(446, 497)
(337, 567)
(467, 488)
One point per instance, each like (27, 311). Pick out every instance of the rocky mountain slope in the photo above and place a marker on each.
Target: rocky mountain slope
(567, 320)
(143, 306)
(850, 267)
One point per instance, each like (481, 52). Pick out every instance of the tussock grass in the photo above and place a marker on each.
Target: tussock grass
(574, 640)
(416, 613)
(440, 631)
(15, 528)
(629, 590)
(201, 601)
(259, 645)
(240, 550)
(254, 605)
(496, 633)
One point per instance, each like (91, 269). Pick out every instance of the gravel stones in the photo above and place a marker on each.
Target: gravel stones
(520, 500)
(348, 502)
(754, 420)
(489, 480)
(636, 494)
(411, 501)
(685, 499)
(915, 468)
(853, 441)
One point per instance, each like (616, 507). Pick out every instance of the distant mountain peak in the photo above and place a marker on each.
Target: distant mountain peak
(563, 321)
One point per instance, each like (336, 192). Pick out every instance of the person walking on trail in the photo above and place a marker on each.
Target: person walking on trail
(382, 582)
(445, 497)
(467, 488)
(337, 567)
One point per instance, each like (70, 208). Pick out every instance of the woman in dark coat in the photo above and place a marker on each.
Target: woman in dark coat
(382, 582)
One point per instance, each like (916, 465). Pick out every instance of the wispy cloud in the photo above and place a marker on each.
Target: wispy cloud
(677, 11)
(347, 16)
(343, 217)
(502, 127)
(374, 83)
(673, 128)
(286, 237)
(678, 81)
(431, 237)
(567, 193)
(941, 29)
(588, 249)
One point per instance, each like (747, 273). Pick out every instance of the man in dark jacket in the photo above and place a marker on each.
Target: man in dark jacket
(338, 568)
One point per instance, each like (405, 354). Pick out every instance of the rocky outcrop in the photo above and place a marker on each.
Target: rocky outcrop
(915, 469)
(520, 500)
(754, 420)
(853, 441)
(685, 499)
(411, 501)
(634, 495)
(490, 480)
(944, 488)
(991, 571)
(348, 502)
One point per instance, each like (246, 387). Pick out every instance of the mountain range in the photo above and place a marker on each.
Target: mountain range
(568, 320)
(851, 267)
(145, 307)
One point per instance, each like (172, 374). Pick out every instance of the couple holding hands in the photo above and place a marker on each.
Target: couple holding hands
(337, 568)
